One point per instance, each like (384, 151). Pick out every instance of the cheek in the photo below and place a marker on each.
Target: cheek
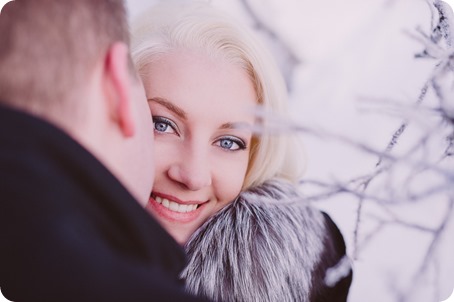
(230, 178)
(165, 154)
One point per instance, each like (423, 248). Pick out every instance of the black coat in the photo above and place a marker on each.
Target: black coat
(69, 231)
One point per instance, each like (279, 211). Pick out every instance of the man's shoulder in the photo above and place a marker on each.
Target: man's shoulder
(60, 202)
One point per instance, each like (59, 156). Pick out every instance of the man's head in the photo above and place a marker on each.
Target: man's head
(68, 62)
(49, 46)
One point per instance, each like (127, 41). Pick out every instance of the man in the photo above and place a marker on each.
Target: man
(75, 155)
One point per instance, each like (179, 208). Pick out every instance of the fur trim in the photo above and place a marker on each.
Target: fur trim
(264, 246)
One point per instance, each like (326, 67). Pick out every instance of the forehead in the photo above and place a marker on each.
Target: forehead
(201, 85)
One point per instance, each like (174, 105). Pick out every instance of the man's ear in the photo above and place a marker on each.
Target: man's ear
(118, 84)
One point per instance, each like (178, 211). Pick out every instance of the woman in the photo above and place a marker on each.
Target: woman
(220, 189)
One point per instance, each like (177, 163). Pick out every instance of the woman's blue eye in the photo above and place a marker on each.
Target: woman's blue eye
(226, 143)
(164, 125)
(160, 126)
(231, 144)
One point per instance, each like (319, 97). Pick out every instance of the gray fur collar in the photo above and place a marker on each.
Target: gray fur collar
(264, 246)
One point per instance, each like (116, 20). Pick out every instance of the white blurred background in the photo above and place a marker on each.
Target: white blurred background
(353, 78)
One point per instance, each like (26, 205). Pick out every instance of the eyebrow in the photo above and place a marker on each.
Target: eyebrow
(175, 109)
(238, 125)
(182, 114)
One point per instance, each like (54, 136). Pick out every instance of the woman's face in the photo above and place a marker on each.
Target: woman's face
(202, 112)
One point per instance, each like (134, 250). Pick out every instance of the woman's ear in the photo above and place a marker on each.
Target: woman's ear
(118, 87)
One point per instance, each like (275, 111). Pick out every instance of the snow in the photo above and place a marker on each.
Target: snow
(358, 79)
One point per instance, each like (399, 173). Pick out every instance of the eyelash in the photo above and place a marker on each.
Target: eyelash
(241, 144)
(169, 123)
(165, 121)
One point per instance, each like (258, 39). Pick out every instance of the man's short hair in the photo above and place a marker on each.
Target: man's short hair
(49, 47)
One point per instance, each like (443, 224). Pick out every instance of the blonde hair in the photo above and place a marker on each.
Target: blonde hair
(200, 27)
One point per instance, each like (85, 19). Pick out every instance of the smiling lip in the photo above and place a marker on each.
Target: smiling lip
(174, 209)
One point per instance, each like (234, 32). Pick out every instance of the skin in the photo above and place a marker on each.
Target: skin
(142, 171)
(128, 112)
(202, 113)
(117, 127)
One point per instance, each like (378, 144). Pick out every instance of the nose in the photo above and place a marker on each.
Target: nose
(192, 171)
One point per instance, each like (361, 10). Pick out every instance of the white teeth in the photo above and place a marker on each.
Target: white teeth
(176, 207)
(165, 202)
